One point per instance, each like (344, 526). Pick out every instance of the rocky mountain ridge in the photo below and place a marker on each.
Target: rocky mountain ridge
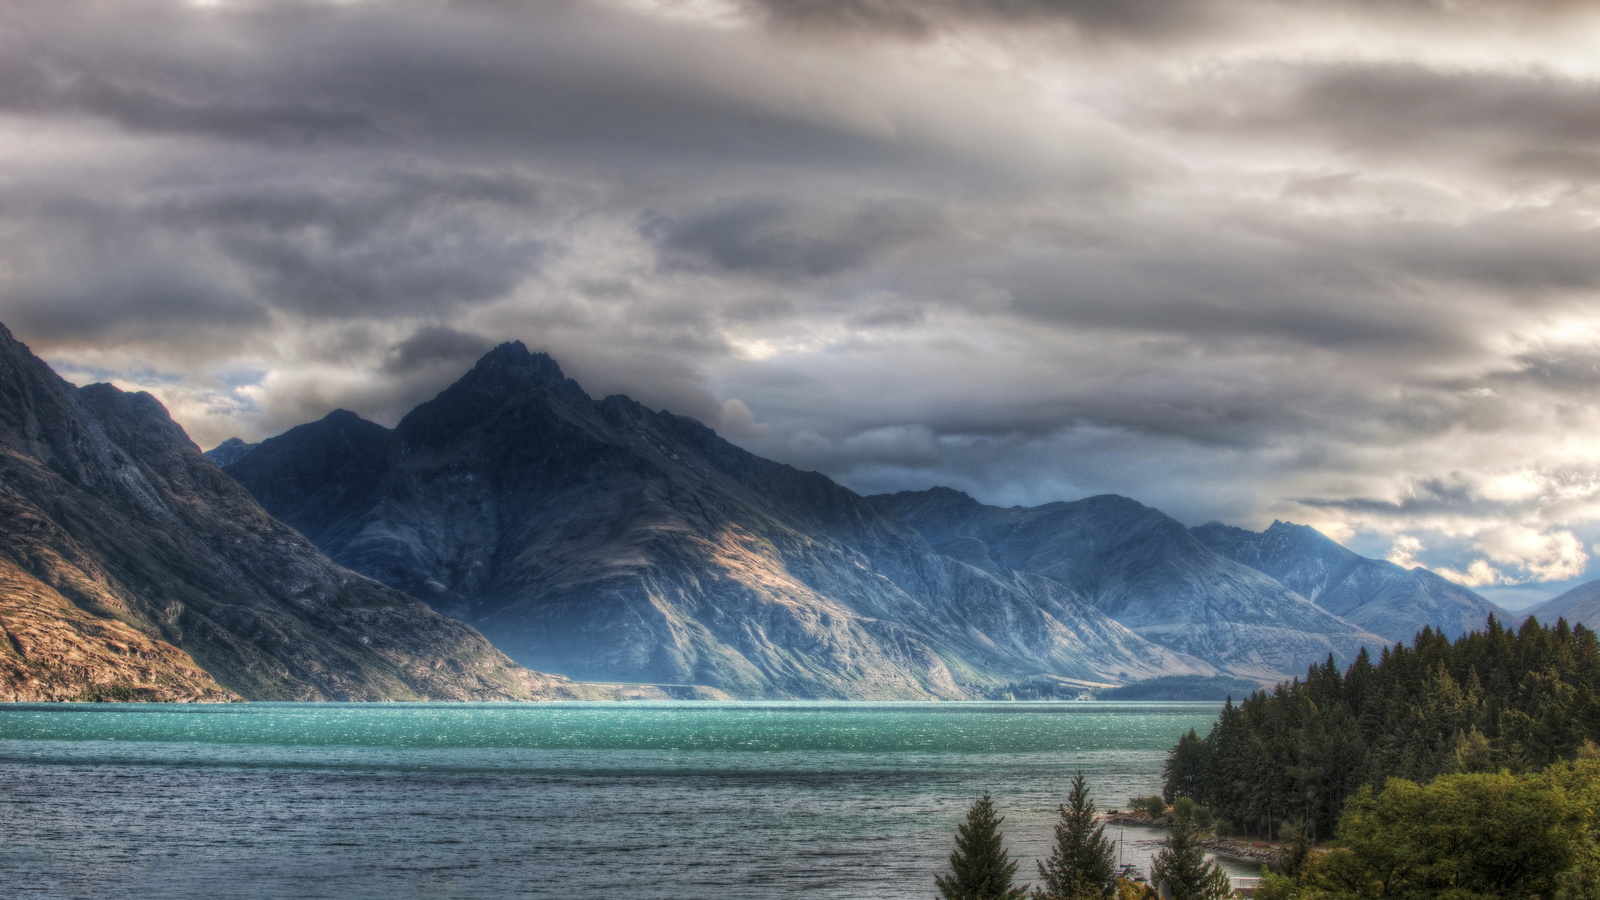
(607, 541)
(1145, 570)
(1375, 594)
(132, 568)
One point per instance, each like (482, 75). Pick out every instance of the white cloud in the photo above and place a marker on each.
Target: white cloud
(1555, 555)
(1478, 574)
(739, 423)
(1404, 551)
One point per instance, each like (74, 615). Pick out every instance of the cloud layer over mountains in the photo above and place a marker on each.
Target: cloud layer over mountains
(1330, 262)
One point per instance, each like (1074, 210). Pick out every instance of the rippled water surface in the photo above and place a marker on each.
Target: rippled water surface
(633, 801)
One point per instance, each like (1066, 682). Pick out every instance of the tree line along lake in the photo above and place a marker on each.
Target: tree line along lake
(651, 801)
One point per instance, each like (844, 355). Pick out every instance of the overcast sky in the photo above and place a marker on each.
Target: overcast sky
(1329, 261)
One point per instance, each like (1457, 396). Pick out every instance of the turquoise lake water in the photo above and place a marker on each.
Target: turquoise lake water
(585, 801)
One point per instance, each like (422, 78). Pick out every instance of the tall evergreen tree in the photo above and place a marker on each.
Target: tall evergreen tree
(1080, 867)
(1185, 768)
(980, 867)
(1182, 866)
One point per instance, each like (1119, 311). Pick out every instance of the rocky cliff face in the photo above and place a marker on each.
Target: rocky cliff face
(611, 542)
(132, 568)
(1145, 570)
(1375, 594)
(1579, 606)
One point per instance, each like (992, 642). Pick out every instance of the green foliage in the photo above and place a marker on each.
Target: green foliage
(1185, 768)
(1492, 700)
(1081, 865)
(1489, 835)
(1186, 807)
(1183, 868)
(1464, 837)
(1128, 889)
(1296, 852)
(1581, 881)
(980, 867)
(1275, 886)
(1150, 806)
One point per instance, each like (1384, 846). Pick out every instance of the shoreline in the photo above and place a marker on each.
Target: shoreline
(1253, 852)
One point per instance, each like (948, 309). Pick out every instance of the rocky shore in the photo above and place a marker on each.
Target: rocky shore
(1258, 853)
(1261, 853)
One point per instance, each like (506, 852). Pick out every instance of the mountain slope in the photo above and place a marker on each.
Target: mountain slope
(608, 541)
(1375, 594)
(1580, 605)
(1145, 570)
(130, 566)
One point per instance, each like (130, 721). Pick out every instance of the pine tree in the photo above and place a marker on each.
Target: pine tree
(980, 867)
(1184, 772)
(1080, 867)
(1182, 866)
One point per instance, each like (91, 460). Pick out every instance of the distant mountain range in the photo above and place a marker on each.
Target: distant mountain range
(610, 542)
(131, 568)
(1143, 569)
(1581, 605)
(1375, 594)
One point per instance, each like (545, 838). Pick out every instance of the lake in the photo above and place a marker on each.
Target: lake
(583, 801)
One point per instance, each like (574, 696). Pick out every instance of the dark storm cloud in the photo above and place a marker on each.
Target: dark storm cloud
(145, 301)
(1135, 20)
(1429, 494)
(1226, 295)
(350, 216)
(920, 18)
(781, 238)
(334, 250)
(1399, 104)
(437, 345)
(376, 253)
(1215, 402)
(1523, 120)
(373, 75)
(1531, 256)
(155, 66)
(104, 272)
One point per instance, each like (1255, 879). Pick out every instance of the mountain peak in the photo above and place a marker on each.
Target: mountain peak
(921, 502)
(515, 356)
(229, 451)
(511, 350)
(342, 417)
(1304, 533)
